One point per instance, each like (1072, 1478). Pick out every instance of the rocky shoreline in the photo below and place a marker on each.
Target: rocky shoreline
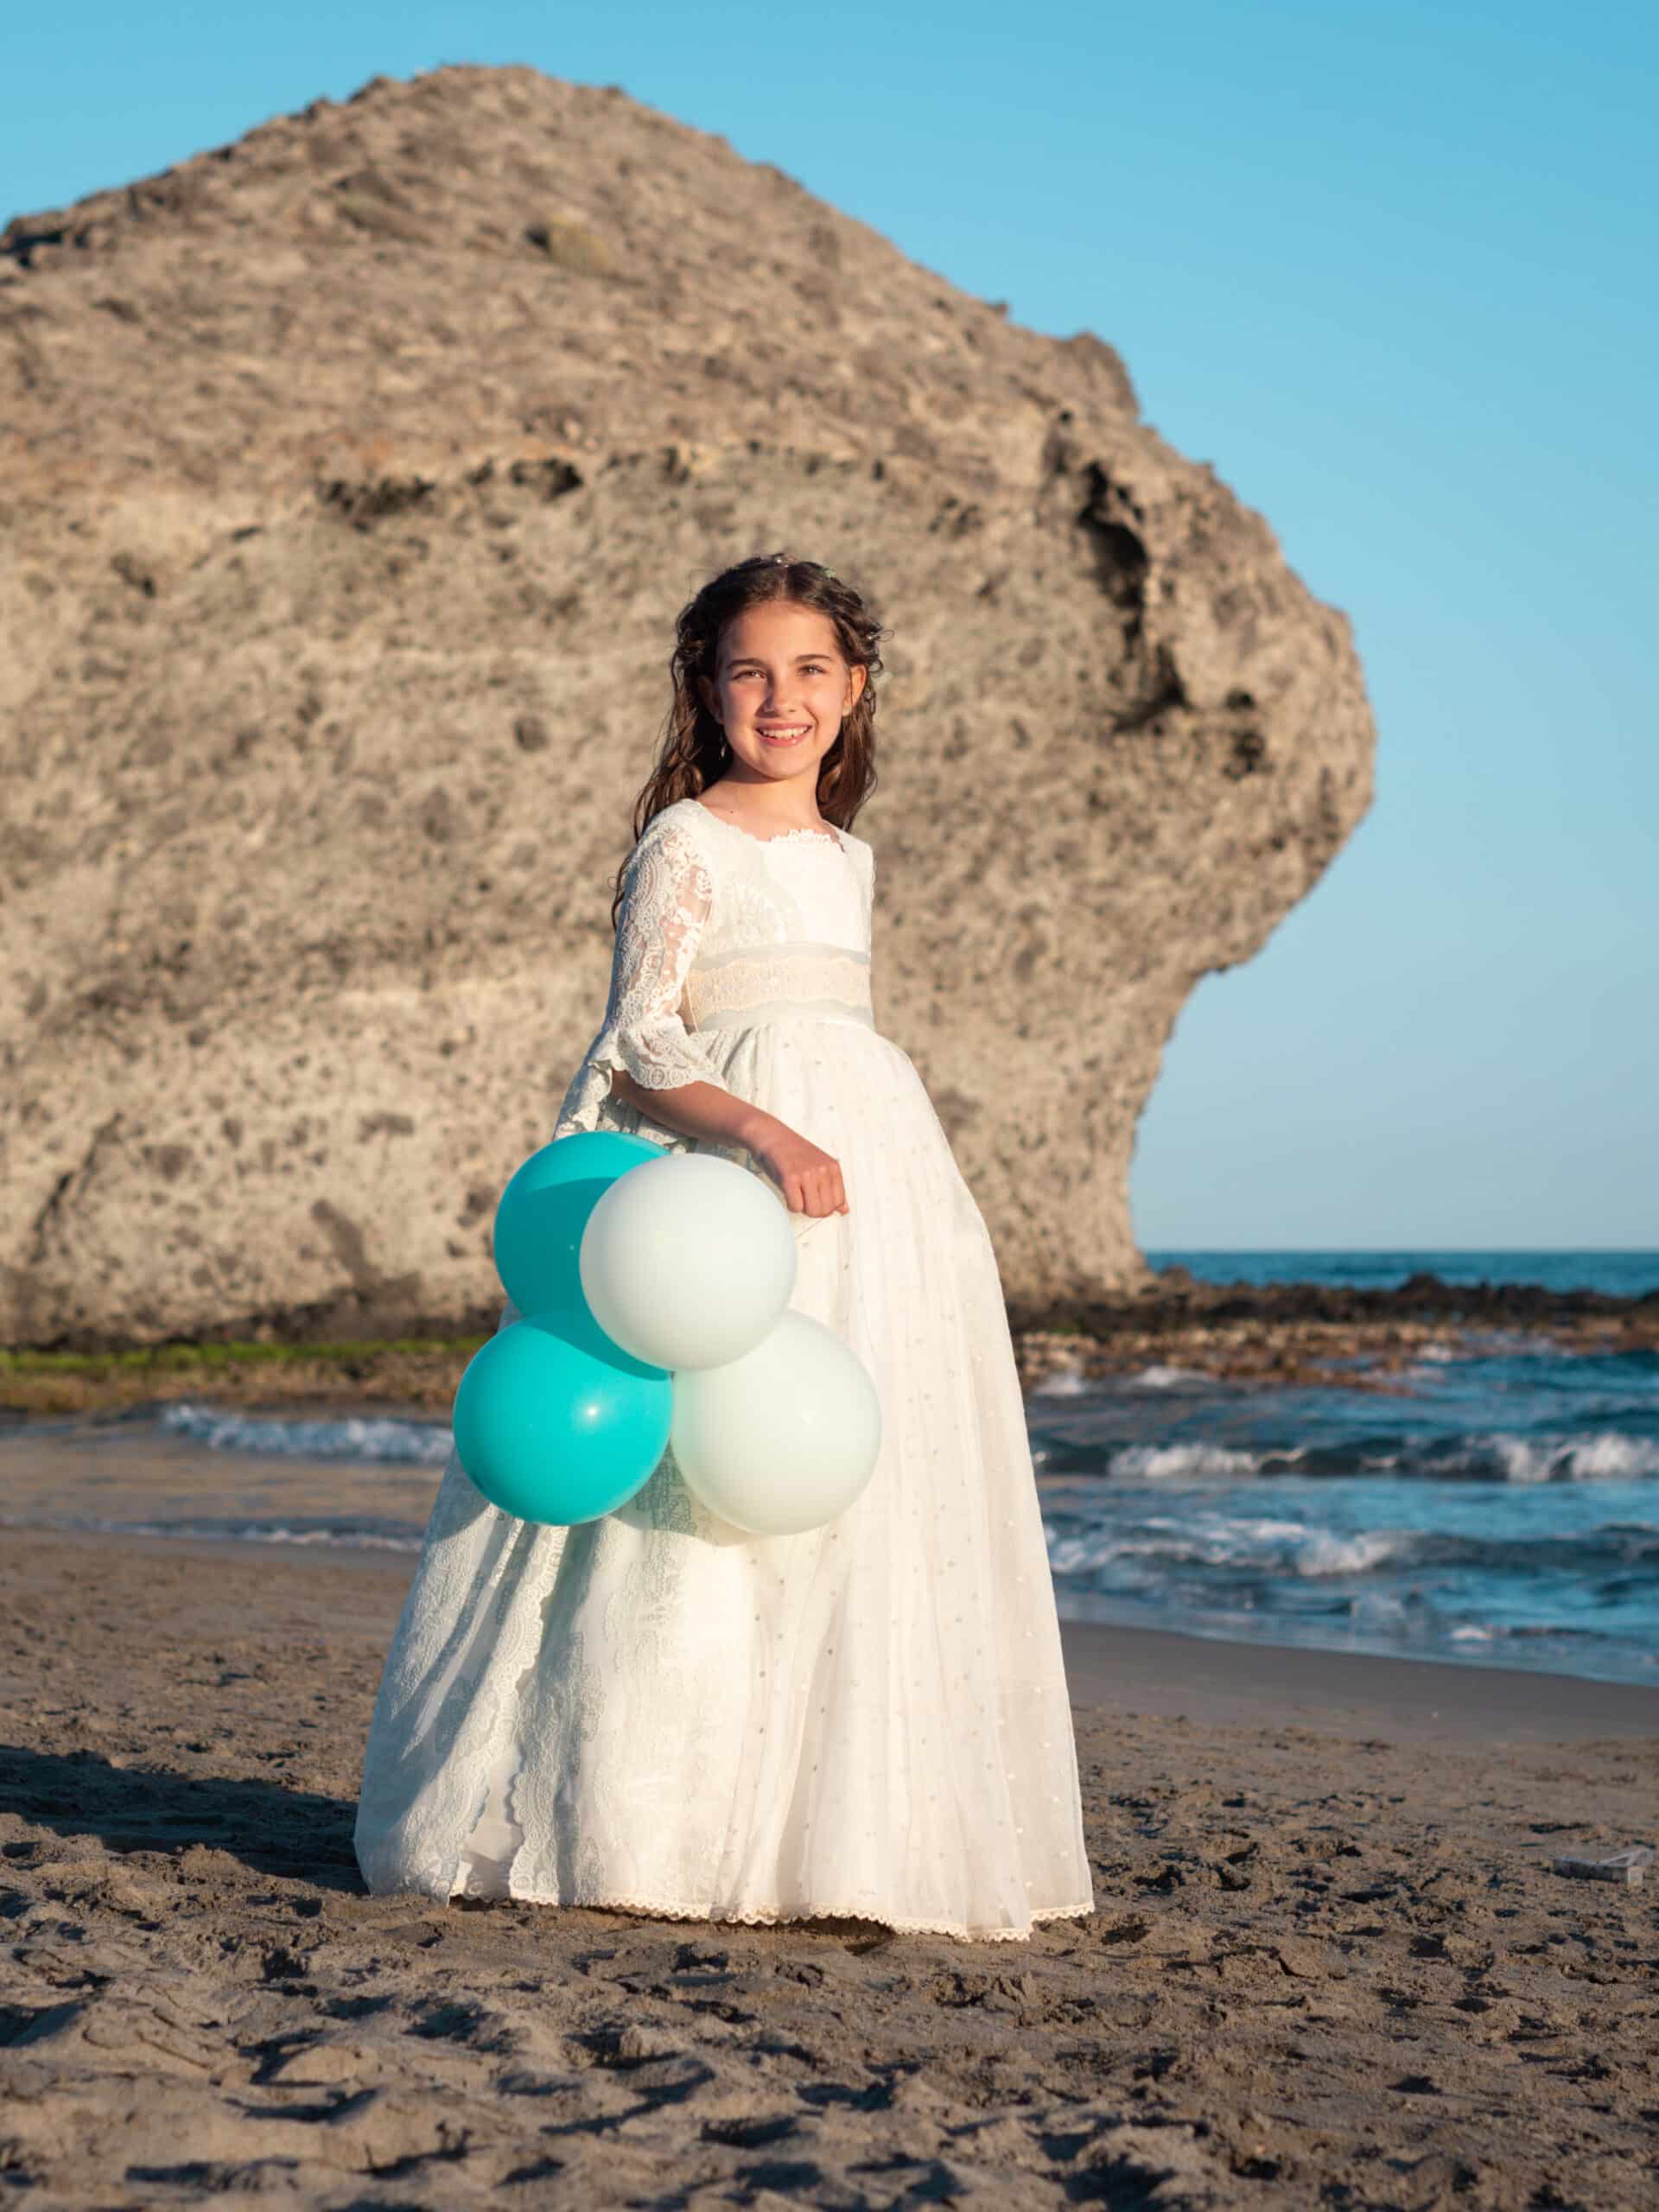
(1281, 1334)
(1274, 1336)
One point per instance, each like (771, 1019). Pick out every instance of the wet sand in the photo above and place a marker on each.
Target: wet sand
(1330, 1966)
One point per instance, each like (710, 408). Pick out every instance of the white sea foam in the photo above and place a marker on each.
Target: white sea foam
(1063, 1383)
(1158, 1377)
(1183, 1463)
(1222, 1539)
(381, 1439)
(1606, 1456)
(255, 1532)
(1325, 1552)
(369, 1540)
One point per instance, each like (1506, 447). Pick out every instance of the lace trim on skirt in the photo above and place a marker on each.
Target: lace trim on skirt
(768, 1917)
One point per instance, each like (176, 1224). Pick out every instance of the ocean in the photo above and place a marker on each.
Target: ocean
(1498, 1503)
(1622, 1273)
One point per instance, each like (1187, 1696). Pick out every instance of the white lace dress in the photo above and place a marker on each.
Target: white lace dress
(657, 1712)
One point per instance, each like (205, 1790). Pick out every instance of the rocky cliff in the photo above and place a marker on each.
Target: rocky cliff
(350, 478)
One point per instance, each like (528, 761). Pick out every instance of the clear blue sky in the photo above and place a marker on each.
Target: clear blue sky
(1392, 270)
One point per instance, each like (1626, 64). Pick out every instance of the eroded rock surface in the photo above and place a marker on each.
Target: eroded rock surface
(351, 477)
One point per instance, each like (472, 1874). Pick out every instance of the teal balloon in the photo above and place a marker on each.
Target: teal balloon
(553, 1423)
(544, 1209)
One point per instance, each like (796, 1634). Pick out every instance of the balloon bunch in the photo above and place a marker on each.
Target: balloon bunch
(654, 1288)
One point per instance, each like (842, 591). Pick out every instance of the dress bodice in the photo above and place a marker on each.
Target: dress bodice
(722, 929)
(804, 883)
(787, 926)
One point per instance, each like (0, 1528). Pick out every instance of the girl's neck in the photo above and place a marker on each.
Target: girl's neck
(788, 804)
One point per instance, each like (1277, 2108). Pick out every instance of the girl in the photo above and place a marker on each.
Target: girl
(657, 1712)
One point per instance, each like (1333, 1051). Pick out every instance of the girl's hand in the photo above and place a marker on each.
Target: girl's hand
(808, 1177)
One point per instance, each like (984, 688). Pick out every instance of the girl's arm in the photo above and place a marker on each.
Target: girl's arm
(808, 1177)
(655, 1062)
(696, 1109)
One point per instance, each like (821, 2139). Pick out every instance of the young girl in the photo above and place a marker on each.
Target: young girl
(657, 1712)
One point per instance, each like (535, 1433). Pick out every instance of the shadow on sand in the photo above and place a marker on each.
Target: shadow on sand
(269, 1827)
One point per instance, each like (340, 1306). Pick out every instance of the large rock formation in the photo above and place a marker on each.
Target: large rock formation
(350, 478)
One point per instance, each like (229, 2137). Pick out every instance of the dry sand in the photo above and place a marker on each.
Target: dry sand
(1331, 1966)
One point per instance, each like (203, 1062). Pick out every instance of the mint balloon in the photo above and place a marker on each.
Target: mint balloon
(544, 1210)
(553, 1423)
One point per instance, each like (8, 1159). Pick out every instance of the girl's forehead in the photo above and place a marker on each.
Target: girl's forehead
(778, 625)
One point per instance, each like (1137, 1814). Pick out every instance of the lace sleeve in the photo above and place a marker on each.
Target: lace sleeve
(666, 894)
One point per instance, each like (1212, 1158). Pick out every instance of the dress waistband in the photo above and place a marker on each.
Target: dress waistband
(770, 982)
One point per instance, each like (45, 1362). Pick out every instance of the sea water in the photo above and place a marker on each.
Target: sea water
(1498, 1501)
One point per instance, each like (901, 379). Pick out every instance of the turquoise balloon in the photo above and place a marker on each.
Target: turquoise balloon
(544, 1209)
(553, 1423)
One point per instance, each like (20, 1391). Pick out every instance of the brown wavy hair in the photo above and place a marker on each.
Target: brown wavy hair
(691, 753)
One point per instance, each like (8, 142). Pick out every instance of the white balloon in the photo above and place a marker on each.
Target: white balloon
(783, 1439)
(688, 1260)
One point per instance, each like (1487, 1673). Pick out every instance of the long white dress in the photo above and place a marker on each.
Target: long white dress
(657, 1712)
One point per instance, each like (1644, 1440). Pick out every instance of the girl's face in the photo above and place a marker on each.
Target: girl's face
(780, 690)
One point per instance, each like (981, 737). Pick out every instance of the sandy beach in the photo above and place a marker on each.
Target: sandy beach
(1330, 1964)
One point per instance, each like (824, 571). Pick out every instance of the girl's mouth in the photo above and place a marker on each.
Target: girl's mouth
(784, 733)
